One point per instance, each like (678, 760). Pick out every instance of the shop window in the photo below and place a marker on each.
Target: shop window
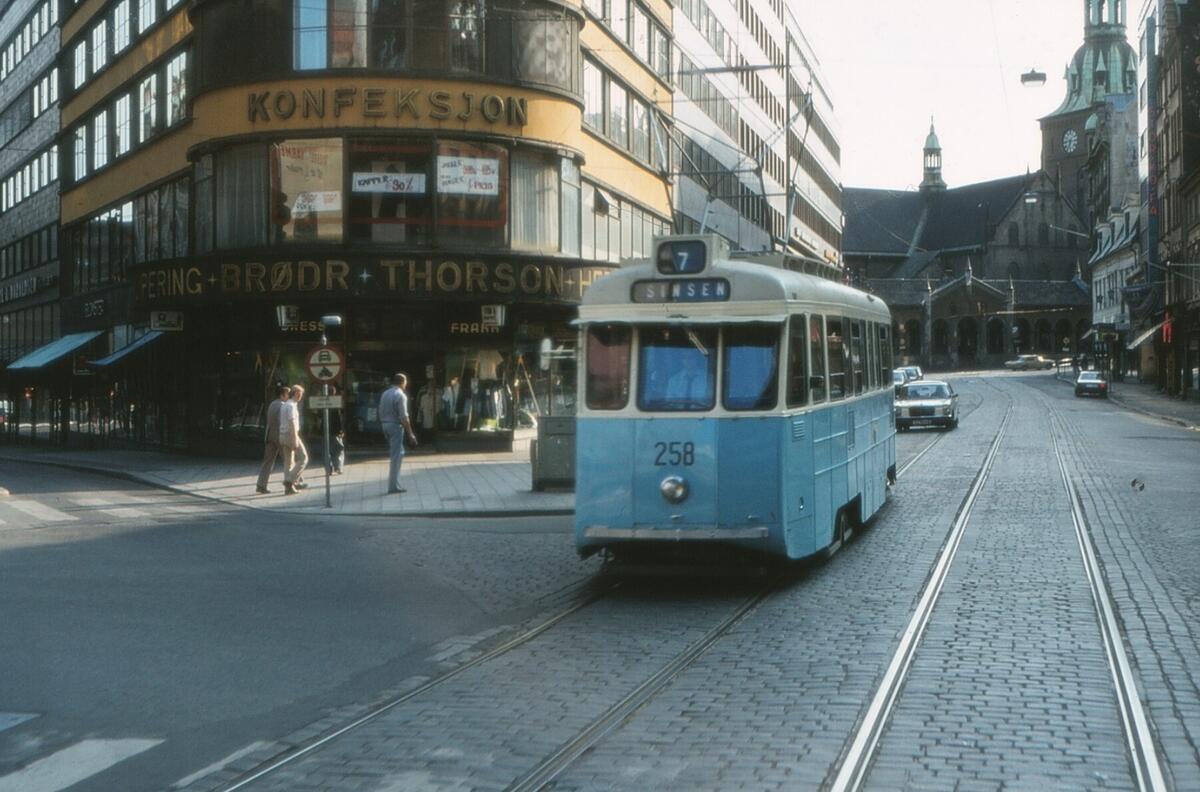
(535, 202)
(472, 197)
(608, 351)
(241, 197)
(389, 192)
(203, 215)
(837, 358)
(306, 191)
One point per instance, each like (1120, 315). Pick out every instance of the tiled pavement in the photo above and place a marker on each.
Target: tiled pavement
(445, 484)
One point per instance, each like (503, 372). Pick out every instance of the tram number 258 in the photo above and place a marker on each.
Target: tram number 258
(675, 453)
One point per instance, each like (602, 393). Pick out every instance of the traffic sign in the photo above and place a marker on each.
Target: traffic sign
(325, 402)
(325, 363)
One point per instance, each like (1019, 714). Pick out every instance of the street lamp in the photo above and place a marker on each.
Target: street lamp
(328, 321)
(1033, 79)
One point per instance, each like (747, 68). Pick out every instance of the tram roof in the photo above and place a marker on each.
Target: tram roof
(759, 293)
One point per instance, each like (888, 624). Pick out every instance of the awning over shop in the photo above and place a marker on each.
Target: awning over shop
(53, 352)
(128, 349)
(1141, 339)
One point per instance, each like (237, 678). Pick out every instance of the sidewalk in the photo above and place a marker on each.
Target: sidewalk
(444, 485)
(1147, 399)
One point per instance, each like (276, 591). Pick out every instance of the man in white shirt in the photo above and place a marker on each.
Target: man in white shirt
(393, 415)
(295, 455)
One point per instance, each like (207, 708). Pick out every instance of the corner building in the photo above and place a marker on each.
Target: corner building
(420, 167)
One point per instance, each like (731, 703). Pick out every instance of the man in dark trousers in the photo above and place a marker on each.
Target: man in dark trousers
(393, 415)
(271, 438)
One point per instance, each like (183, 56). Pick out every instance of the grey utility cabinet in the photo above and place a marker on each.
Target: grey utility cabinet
(552, 454)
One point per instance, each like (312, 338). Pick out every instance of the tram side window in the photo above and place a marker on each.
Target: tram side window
(816, 358)
(751, 374)
(885, 355)
(608, 366)
(797, 374)
(677, 368)
(837, 357)
(872, 357)
(858, 355)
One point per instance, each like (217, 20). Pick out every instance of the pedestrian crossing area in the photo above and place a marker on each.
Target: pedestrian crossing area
(43, 509)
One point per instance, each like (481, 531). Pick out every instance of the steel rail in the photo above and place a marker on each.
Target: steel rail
(857, 757)
(1138, 736)
(441, 679)
(553, 766)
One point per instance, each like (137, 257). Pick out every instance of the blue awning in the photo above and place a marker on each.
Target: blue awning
(127, 349)
(53, 352)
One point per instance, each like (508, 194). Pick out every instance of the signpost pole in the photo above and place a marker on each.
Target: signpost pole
(325, 423)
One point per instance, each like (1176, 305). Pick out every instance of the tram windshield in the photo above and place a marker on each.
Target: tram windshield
(751, 373)
(677, 368)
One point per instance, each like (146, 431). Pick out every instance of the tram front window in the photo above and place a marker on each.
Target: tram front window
(751, 367)
(608, 367)
(677, 369)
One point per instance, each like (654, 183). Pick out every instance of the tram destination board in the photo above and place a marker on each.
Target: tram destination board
(681, 290)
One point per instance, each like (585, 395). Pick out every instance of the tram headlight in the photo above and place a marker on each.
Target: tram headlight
(674, 489)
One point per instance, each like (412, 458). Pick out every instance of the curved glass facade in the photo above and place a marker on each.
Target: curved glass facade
(529, 42)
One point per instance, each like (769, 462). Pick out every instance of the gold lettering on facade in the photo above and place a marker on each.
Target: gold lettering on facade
(391, 266)
(313, 103)
(530, 279)
(476, 275)
(282, 274)
(492, 108)
(441, 105)
(426, 275)
(258, 106)
(285, 104)
(518, 111)
(256, 273)
(176, 281)
(342, 97)
(454, 281)
(308, 276)
(505, 282)
(231, 278)
(194, 284)
(407, 102)
(373, 102)
(468, 106)
(336, 272)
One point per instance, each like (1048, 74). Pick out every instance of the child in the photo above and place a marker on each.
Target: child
(339, 452)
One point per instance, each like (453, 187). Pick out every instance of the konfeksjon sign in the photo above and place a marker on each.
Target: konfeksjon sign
(413, 104)
(424, 276)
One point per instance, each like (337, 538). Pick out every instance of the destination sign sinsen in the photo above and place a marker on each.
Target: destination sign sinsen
(681, 290)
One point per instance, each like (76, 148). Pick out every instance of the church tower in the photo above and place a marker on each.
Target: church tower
(932, 182)
(1105, 65)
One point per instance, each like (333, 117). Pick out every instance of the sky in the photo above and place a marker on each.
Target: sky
(891, 64)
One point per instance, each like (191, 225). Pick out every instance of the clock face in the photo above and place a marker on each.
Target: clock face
(1070, 140)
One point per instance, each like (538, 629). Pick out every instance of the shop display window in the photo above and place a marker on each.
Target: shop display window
(390, 199)
(472, 193)
(306, 191)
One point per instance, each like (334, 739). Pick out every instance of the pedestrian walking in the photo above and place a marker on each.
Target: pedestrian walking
(295, 455)
(339, 452)
(271, 439)
(393, 415)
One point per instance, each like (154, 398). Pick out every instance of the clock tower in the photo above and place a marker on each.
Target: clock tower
(1103, 66)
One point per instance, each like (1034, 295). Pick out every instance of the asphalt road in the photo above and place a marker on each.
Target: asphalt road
(195, 636)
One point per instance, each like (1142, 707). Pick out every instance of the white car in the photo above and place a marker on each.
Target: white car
(1027, 362)
(926, 403)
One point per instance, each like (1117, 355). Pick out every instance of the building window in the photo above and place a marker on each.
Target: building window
(593, 96)
(99, 46)
(80, 153)
(618, 114)
(466, 35)
(311, 31)
(570, 207)
(122, 127)
(100, 140)
(348, 34)
(535, 202)
(619, 19)
(241, 197)
(390, 199)
(80, 60)
(148, 14)
(148, 124)
(177, 89)
(641, 130)
(306, 200)
(121, 26)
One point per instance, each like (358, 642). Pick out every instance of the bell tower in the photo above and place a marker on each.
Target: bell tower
(932, 182)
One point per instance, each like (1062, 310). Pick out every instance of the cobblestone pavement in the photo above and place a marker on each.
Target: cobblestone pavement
(1138, 482)
(1010, 684)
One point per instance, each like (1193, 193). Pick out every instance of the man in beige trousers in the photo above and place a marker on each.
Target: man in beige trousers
(295, 455)
(271, 439)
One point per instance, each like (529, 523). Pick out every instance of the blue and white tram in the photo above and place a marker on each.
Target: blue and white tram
(731, 401)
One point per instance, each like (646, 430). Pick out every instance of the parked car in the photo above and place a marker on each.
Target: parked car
(913, 372)
(898, 378)
(1029, 362)
(926, 403)
(1091, 383)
